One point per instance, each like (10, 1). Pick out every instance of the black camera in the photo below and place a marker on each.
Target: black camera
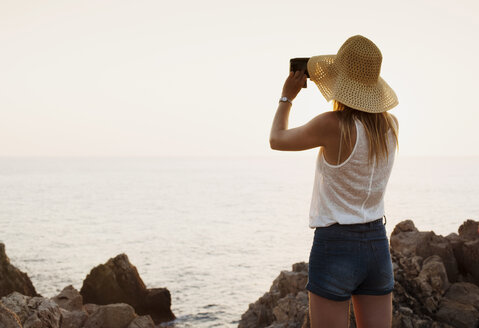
(299, 64)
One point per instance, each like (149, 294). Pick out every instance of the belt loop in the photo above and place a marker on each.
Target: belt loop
(385, 220)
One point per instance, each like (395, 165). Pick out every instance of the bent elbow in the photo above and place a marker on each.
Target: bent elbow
(273, 143)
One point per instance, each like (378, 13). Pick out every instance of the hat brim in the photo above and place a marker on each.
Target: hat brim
(372, 98)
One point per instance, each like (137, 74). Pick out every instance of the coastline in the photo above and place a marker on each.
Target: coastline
(113, 295)
(436, 285)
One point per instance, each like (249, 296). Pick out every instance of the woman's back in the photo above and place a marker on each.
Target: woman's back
(352, 191)
(350, 256)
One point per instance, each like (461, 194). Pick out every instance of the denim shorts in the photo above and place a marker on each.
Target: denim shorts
(350, 259)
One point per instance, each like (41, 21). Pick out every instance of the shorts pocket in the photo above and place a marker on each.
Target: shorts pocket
(333, 263)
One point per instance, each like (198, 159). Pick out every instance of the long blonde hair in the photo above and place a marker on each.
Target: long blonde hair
(375, 124)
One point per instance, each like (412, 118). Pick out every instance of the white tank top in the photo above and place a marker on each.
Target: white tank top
(353, 191)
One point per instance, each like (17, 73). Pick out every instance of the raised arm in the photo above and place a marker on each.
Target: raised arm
(315, 133)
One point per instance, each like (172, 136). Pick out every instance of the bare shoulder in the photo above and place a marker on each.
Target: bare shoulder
(327, 127)
(327, 121)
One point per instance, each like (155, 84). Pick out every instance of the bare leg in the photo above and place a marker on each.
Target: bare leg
(325, 313)
(373, 311)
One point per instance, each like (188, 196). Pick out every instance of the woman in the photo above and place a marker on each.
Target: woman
(350, 255)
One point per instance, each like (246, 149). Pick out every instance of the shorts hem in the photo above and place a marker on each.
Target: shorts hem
(315, 290)
(372, 292)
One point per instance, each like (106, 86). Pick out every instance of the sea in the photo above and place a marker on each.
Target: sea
(215, 231)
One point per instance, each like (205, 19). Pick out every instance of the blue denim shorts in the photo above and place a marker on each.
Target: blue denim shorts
(350, 259)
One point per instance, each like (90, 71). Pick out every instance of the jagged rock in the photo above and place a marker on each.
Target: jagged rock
(33, 312)
(460, 305)
(432, 244)
(405, 234)
(157, 304)
(292, 308)
(69, 299)
(115, 281)
(466, 250)
(423, 295)
(118, 315)
(143, 321)
(288, 284)
(260, 313)
(458, 314)
(470, 259)
(8, 319)
(90, 308)
(406, 239)
(12, 279)
(431, 283)
(464, 292)
(118, 281)
(469, 230)
(70, 302)
(73, 319)
(291, 282)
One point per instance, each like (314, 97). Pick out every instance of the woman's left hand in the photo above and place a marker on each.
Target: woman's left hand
(293, 84)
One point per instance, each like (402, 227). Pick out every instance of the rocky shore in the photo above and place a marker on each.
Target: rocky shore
(113, 295)
(436, 284)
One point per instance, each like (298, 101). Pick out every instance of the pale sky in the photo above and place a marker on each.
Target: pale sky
(181, 78)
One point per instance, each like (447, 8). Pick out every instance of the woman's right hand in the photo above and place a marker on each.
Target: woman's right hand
(293, 84)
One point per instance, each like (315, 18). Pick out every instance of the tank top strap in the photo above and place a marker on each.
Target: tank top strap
(339, 153)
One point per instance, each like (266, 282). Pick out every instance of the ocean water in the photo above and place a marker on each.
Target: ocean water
(214, 231)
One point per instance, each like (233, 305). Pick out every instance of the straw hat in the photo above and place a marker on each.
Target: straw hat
(352, 76)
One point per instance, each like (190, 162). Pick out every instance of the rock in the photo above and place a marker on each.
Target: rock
(113, 282)
(460, 305)
(73, 312)
(157, 304)
(404, 226)
(8, 319)
(458, 314)
(470, 264)
(426, 294)
(408, 241)
(464, 292)
(143, 321)
(118, 281)
(287, 300)
(73, 319)
(431, 283)
(260, 313)
(466, 250)
(118, 315)
(12, 279)
(291, 282)
(432, 244)
(69, 299)
(33, 312)
(291, 307)
(90, 308)
(469, 230)
(404, 238)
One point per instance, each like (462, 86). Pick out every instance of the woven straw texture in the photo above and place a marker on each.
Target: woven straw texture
(352, 76)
